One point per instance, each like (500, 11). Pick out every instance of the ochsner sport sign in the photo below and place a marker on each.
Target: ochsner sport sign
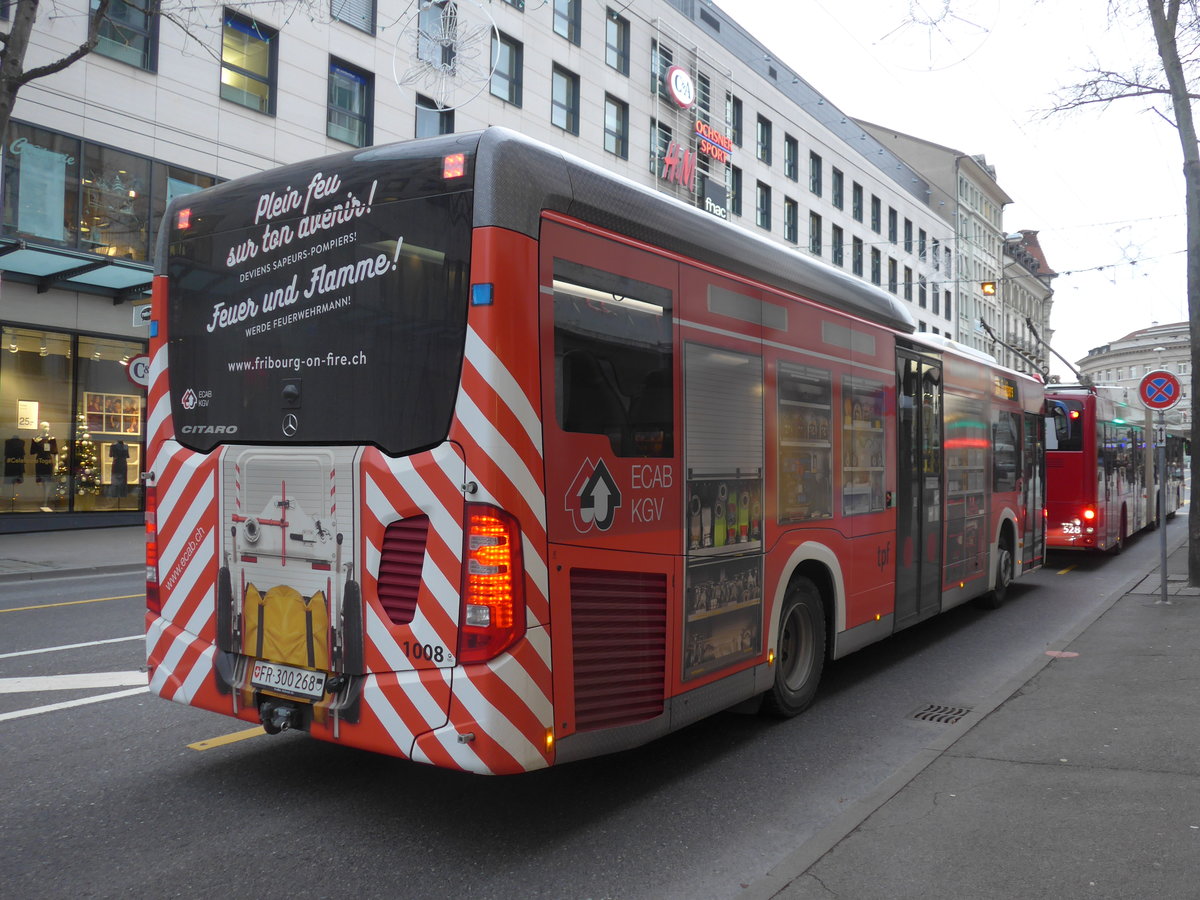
(681, 87)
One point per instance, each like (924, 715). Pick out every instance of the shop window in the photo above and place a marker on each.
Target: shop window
(115, 218)
(248, 63)
(41, 178)
(351, 92)
(129, 33)
(169, 182)
(64, 458)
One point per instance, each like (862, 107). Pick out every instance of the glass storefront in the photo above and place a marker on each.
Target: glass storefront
(73, 423)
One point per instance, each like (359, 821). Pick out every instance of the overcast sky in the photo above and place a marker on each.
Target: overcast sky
(1103, 187)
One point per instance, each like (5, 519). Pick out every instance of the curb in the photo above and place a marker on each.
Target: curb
(795, 864)
(83, 572)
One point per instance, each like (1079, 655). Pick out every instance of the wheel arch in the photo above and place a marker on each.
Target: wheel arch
(819, 564)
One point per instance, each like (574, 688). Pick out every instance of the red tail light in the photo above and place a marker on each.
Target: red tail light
(1089, 514)
(153, 601)
(492, 618)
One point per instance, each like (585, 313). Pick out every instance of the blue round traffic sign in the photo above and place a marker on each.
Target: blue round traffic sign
(1159, 390)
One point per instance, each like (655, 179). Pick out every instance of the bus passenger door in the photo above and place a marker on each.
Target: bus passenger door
(918, 488)
(1033, 495)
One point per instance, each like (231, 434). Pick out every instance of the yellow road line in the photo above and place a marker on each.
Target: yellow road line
(1066, 570)
(70, 603)
(227, 739)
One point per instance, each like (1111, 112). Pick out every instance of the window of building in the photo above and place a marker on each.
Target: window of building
(733, 112)
(616, 42)
(946, 296)
(893, 275)
(661, 59)
(937, 255)
(908, 228)
(815, 175)
(837, 242)
(516, 4)
(816, 237)
(735, 190)
(566, 19)
(249, 61)
(349, 116)
(1120, 374)
(703, 97)
(876, 215)
(432, 120)
(876, 266)
(509, 55)
(935, 295)
(908, 284)
(564, 100)
(437, 35)
(856, 256)
(837, 183)
(616, 126)
(856, 201)
(661, 134)
(358, 14)
(791, 220)
(921, 243)
(893, 227)
(922, 292)
(129, 33)
(791, 157)
(762, 214)
(763, 145)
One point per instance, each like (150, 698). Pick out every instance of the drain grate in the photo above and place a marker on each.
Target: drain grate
(943, 715)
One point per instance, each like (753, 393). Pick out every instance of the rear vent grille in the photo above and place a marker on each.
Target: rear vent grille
(619, 636)
(400, 567)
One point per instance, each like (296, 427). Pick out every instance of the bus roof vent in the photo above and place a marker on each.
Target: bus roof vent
(400, 567)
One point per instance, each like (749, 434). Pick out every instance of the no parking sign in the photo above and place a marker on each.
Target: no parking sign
(1159, 390)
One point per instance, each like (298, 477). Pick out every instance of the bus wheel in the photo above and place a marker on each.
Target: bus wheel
(995, 598)
(1119, 543)
(800, 653)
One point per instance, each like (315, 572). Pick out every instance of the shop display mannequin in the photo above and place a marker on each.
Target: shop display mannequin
(45, 452)
(14, 464)
(119, 453)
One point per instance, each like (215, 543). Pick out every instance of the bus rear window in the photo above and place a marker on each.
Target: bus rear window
(1064, 424)
(339, 318)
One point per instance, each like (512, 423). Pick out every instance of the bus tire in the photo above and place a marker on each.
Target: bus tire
(800, 651)
(1119, 544)
(995, 598)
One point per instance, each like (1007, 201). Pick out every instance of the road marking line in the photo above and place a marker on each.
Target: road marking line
(1067, 569)
(132, 637)
(76, 682)
(70, 603)
(54, 707)
(228, 739)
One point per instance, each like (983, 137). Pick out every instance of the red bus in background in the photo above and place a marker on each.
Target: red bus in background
(471, 453)
(1102, 479)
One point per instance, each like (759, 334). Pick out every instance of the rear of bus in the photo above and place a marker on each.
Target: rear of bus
(333, 512)
(1072, 511)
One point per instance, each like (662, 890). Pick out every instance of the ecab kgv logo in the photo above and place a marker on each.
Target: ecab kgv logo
(593, 498)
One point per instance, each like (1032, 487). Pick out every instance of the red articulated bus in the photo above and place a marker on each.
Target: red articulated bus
(468, 452)
(1102, 479)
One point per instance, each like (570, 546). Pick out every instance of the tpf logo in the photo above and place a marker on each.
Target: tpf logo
(593, 498)
(189, 400)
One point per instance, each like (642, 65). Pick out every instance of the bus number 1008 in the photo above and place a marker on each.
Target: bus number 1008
(416, 651)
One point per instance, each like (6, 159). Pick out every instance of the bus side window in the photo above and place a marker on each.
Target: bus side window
(591, 403)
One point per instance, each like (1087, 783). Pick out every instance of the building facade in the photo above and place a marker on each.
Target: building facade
(1026, 298)
(1127, 360)
(671, 93)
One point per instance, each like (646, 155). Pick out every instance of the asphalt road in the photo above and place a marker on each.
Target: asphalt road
(130, 795)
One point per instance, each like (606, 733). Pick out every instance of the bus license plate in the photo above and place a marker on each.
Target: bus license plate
(288, 679)
(1071, 528)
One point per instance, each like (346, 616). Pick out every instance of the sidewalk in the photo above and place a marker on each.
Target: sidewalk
(1080, 779)
(88, 551)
